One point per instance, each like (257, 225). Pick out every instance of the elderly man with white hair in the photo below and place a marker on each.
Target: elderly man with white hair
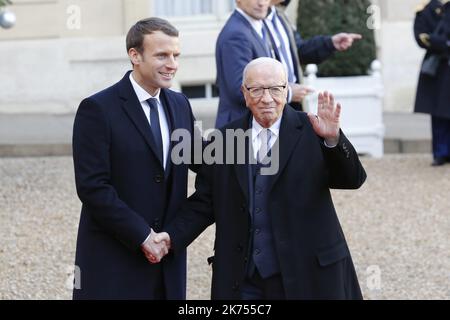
(277, 236)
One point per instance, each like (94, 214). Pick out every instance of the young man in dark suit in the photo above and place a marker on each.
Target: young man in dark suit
(125, 179)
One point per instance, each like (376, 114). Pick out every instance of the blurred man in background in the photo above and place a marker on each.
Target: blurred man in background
(432, 32)
(292, 50)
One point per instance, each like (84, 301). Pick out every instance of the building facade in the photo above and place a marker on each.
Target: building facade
(63, 50)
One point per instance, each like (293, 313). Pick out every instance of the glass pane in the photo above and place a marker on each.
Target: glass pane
(215, 91)
(183, 8)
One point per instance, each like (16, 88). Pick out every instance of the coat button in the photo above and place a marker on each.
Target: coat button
(159, 178)
(258, 191)
(257, 231)
(257, 251)
(239, 248)
(258, 210)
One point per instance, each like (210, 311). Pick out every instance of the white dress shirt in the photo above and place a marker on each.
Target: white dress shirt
(270, 20)
(143, 96)
(257, 25)
(256, 138)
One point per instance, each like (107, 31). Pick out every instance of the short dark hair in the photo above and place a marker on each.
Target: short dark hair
(135, 37)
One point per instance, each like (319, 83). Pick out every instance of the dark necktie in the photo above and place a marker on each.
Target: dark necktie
(268, 41)
(156, 128)
(283, 48)
(264, 149)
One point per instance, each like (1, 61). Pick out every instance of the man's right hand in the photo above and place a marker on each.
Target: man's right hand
(343, 41)
(299, 91)
(156, 246)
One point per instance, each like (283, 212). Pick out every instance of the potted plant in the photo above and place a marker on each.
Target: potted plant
(353, 76)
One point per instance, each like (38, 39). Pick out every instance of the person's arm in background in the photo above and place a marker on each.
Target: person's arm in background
(319, 48)
(345, 169)
(425, 34)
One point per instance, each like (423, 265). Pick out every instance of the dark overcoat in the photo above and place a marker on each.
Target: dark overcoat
(124, 192)
(313, 254)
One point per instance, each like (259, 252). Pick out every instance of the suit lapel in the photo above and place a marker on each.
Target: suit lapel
(256, 36)
(241, 170)
(290, 135)
(133, 109)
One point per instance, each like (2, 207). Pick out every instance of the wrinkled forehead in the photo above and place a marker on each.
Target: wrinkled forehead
(266, 74)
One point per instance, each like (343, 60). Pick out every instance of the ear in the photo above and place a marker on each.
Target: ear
(244, 92)
(135, 56)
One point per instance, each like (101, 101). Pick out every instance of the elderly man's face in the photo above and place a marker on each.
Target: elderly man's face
(265, 93)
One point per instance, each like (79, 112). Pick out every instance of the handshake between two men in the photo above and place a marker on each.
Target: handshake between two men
(156, 246)
(325, 124)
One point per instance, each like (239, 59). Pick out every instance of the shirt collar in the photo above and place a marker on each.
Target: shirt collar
(257, 128)
(272, 12)
(256, 24)
(140, 92)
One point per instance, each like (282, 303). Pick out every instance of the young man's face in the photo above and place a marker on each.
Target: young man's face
(257, 9)
(156, 66)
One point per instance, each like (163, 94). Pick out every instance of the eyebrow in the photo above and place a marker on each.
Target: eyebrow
(261, 86)
(157, 53)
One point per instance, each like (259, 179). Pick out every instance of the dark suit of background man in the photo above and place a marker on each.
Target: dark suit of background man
(124, 177)
(277, 236)
(243, 38)
(432, 32)
(292, 50)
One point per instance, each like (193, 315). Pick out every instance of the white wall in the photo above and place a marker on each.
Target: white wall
(399, 53)
(50, 67)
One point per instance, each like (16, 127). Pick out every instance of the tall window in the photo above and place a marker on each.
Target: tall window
(189, 8)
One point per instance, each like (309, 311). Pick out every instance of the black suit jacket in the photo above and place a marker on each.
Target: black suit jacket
(313, 254)
(237, 45)
(122, 186)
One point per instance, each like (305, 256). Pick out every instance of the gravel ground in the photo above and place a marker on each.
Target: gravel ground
(397, 226)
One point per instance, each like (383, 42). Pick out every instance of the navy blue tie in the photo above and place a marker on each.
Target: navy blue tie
(283, 48)
(156, 128)
(264, 150)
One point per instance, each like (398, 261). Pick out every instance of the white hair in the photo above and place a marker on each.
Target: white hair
(265, 61)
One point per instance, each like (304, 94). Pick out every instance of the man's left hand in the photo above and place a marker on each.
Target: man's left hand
(326, 123)
(343, 41)
(156, 246)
